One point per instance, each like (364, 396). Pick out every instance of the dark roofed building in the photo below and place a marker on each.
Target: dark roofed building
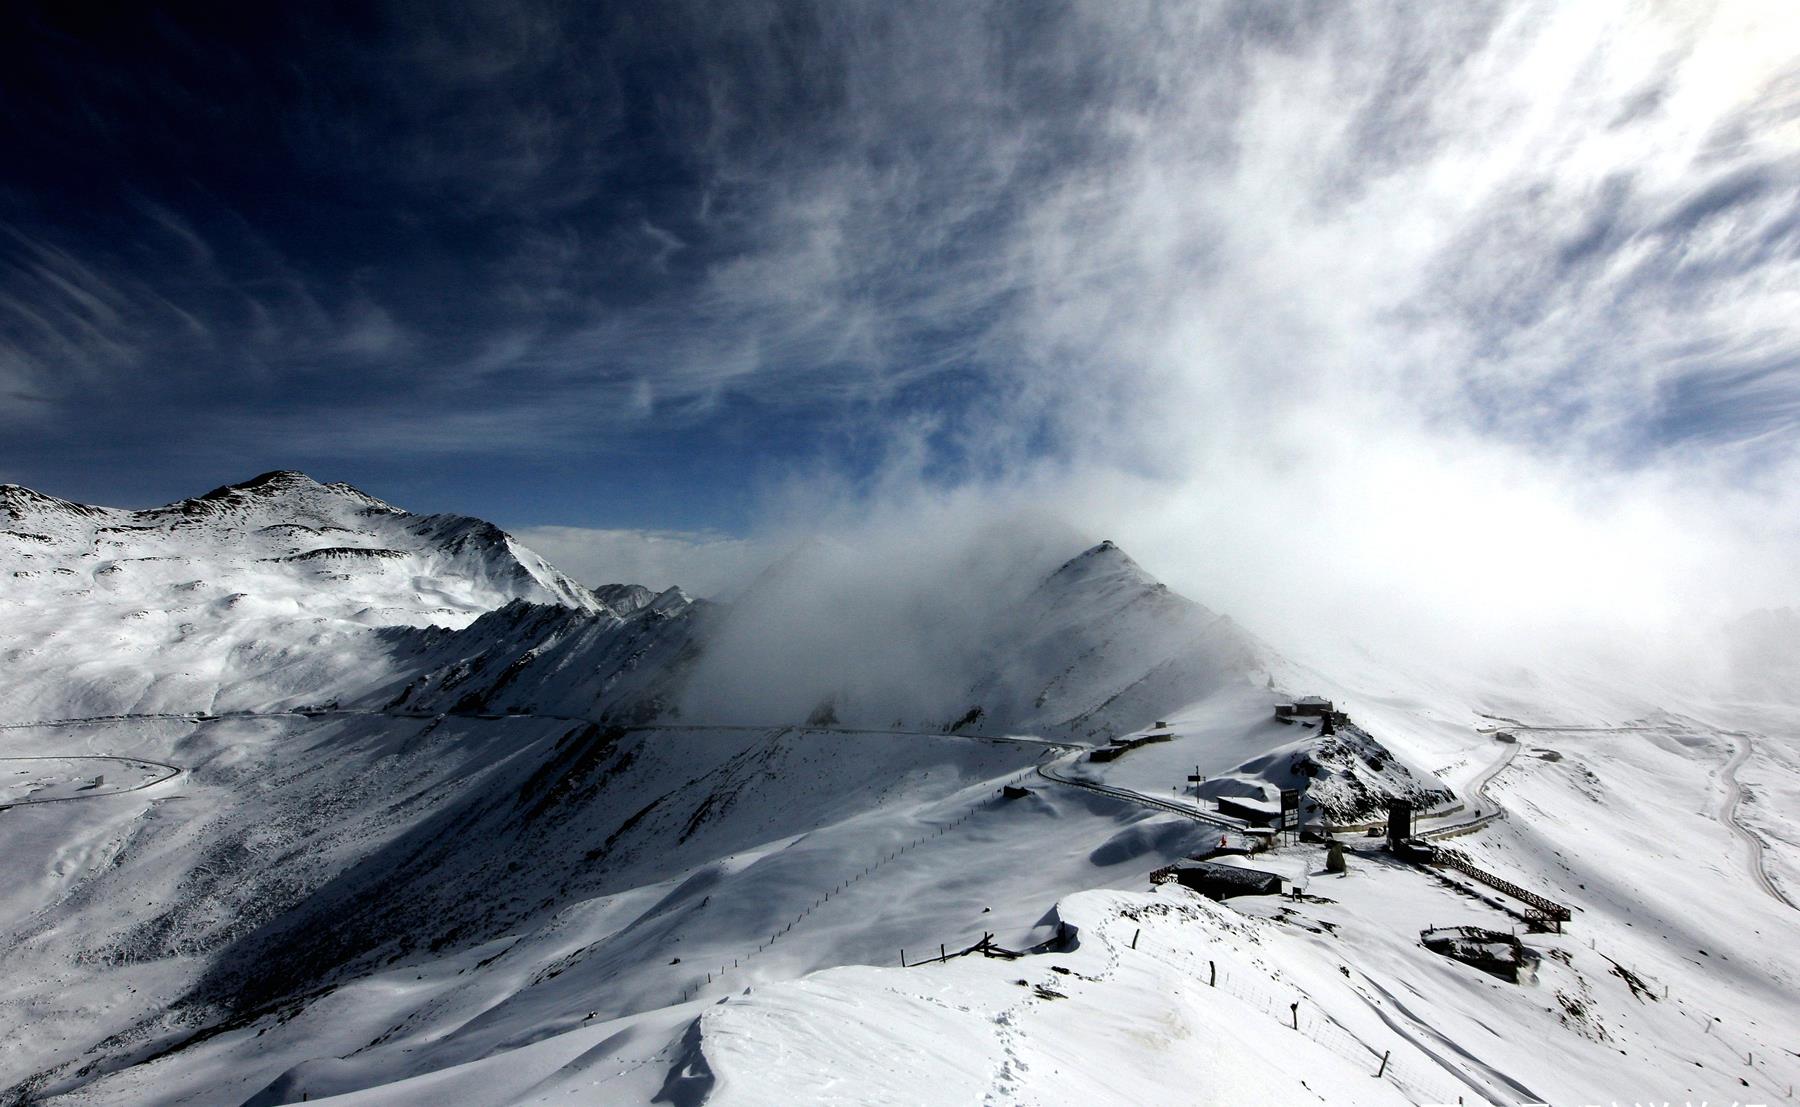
(1254, 810)
(1112, 750)
(1305, 706)
(1216, 881)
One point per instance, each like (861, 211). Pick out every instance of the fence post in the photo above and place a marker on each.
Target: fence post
(1134, 937)
(1383, 1068)
(1213, 969)
(942, 956)
(1295, 1008)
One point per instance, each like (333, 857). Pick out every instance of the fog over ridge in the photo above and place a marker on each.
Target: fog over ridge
(1476, 327)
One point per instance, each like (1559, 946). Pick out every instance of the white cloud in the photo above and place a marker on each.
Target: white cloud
(1470, 316)
(1483, 319)
(707, 565)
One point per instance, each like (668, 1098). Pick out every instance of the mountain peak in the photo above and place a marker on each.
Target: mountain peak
(1106, 550)
(278, 489)
(276, 480)
(1103, 558)
(282, 482)
(18, 503)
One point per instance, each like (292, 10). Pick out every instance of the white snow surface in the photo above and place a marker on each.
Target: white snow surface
(494, 862)
(252, 596)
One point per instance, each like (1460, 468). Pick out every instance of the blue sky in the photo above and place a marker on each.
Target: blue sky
(679, 266)
(522, 260)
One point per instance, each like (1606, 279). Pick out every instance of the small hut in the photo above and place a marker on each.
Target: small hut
(1304, 707)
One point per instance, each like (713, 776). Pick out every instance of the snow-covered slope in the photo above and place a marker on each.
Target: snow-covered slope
(1101, 648)
(1094, 649)
(1088, 648)
(253, 595)
(531, 843)
(515, 910)
(529, 658)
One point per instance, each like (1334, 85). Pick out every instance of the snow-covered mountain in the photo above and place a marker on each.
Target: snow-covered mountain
(388, 808)
(282, 592)
(534, 659)
(335, 548)
(1087, 647)
(1100, 647)
(250, 596)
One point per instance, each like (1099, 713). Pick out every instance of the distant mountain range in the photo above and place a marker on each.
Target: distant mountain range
(395, 748)
(282, 592)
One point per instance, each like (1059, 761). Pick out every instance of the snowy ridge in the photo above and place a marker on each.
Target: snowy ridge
(1096, 649)
(253, 595)
(1092, 649)
(534, 659)
(423, 832)
(1101, 648)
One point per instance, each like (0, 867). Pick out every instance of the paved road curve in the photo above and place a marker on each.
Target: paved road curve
(1486, 809)
(167, 772)
(1728, 814)
(1052, 770)
(173, 770)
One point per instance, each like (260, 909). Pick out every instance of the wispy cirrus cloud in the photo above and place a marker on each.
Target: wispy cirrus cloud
(1237, 262)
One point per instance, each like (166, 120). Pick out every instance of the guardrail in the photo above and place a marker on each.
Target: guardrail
(1545, 906)
(1459, 829)
(1223, 822)
(1381, 823)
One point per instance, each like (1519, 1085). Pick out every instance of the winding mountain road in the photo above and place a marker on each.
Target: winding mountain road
(166, 771)
(171, 771)
(1728, 805)
(1728, 814)
(1051, 770)
(1502, 723)
(1486, 809)
(1479, 786)
(364, 712)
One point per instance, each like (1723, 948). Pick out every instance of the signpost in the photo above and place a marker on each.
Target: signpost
(1400, 821)
(1196, 778)
(1290, 809)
